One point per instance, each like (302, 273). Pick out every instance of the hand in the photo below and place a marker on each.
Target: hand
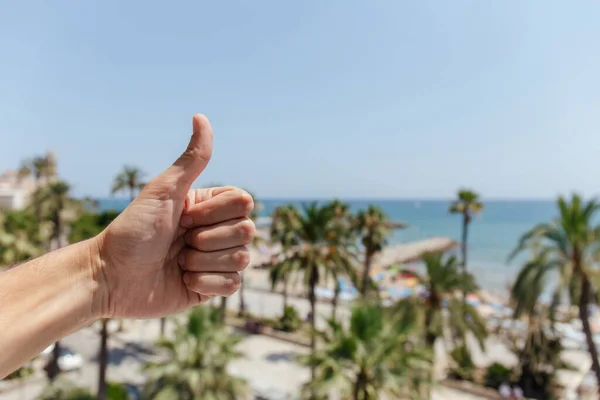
(173, 247)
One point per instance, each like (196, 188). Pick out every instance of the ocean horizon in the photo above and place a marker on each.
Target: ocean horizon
(492, 235)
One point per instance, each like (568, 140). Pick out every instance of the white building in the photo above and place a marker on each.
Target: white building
(15, 190)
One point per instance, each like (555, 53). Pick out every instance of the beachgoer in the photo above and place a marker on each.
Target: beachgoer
(171, 249)
(504, 390)
(518, 392)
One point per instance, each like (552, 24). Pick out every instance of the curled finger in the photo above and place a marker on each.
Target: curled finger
(213, 283)
(226, 203)
(229, 260)
(228, 234)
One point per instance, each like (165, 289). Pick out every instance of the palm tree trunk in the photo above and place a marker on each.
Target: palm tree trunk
(367, 273)
(584, 300)
(53, 369)
(223, 310)
(132, 194)
(334, 301)
(37, 209)
(313, 305)
(465, 233)
(163, 324)
(242, 309)
(356, 389)
(429, 336)
(285, 292)
(103, 360)
(359, 387)
(55, 242)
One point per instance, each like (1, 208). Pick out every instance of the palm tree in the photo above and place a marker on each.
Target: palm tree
(341, 230)
(129, 179)
(568, 247)
(375, 354)
(103, 360)
(540, 358)
(284, 227)
(321, 251)
(59, 207)
(193, 370)
(374, 229)
(467, 204)
(540, 354)
(442, 281)
(223, 309)
(43, 169)
(279, 272)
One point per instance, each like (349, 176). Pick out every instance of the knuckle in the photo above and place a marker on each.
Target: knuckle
(245, 202)
(190, 279)
(160, 188)
(183, 260)
(241, 258)
(232, 283)
(247, 230)
(190, 153)
(196, 239)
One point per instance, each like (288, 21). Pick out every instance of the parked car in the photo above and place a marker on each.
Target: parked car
(67, 359)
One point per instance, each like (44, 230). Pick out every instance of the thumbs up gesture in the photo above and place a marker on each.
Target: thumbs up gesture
(174, 247)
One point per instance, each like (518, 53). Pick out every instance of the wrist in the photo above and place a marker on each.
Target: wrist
(99, 284)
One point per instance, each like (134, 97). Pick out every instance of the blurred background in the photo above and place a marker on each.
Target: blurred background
(398, 153)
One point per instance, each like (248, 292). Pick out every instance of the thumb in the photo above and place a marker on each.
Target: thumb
(194, 159)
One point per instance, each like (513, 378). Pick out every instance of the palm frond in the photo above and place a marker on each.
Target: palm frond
(190, 368)
(130, 178)
(530, 284)
(371, 350)
(467, 203)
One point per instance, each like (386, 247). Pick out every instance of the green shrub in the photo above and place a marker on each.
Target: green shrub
(116, 391)
(265, 321)
(90, 224)
(290, 320)
(496, 375)
(464, 368)
(65, 390)
(20, 373)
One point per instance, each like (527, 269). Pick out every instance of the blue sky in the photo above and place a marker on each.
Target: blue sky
(310, 99)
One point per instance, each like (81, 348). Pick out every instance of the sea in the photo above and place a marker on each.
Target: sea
(493, 234)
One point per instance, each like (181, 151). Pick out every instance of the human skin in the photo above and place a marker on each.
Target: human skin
(171, 249)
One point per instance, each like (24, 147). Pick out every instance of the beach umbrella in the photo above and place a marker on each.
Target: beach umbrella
(473, 300)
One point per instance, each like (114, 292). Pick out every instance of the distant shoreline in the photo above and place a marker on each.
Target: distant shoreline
(492, 236)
